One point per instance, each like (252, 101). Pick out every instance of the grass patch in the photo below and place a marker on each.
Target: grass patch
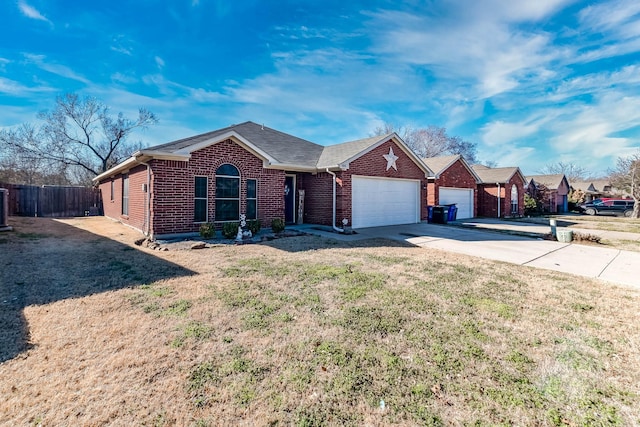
(303, 331)
(178, 308)
(31, 235)
(194, 330)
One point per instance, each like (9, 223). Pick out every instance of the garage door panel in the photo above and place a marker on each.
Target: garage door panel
(462, 197)
(377, 202)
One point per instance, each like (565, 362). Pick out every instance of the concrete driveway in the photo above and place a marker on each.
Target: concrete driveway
(611, 265)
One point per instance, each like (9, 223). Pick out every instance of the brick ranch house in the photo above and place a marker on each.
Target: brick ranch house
(557, 187)
(453, 182)
(501, 192)
(169, 190)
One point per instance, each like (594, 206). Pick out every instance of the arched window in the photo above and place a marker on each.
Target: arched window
(514, 200)
(227, 193)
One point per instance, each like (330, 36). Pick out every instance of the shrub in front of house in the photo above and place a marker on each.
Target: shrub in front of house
(254, 226)
(277, 225)
(230, 230)
(530, 205)
(207, 230)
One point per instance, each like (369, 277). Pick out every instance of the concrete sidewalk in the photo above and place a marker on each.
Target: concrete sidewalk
(539, 228)
(611, 265)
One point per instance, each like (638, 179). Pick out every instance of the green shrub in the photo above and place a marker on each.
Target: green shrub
(230, 230)
(207, 230)
(530, 205)
(277, 225)
(254, 226)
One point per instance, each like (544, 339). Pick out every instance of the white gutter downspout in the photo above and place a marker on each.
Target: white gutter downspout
(147, 208)
(333, 224)
(498, 184)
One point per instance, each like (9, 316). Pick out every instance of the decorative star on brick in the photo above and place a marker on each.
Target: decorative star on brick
(391, 159)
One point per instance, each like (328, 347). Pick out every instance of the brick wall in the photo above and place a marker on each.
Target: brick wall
(318, 197)
(374, 164)
(456, 176)
(488, 203)
(137, 198)
(173, 187)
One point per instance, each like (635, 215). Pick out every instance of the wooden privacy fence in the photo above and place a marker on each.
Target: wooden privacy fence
(53, 201)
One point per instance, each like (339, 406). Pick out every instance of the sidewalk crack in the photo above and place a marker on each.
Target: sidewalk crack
(545, 254)
(609, 263)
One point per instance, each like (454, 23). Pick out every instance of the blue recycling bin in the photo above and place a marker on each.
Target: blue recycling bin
(453, 212)
(429, 214)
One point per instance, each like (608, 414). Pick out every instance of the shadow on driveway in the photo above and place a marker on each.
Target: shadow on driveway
(44, 260)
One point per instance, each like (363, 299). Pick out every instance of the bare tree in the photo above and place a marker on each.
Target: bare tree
(431, 141)
(572, 171)
(19, 165)
(79, 135)
(626, 176)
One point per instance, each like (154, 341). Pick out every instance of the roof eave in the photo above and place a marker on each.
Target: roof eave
(138, 158)
(289, 167)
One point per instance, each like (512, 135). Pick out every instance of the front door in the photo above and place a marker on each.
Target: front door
(289, 199)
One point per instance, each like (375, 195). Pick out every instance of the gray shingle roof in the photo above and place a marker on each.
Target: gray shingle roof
(551, 181)
(493, 175)
(281, 149)
(440, 163)
(284, 148)
(595, 186)
(336, 154)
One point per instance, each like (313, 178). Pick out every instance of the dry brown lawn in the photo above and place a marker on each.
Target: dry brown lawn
(301, 331)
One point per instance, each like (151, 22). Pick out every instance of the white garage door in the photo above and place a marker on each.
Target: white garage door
(384, 201)
(462, 197)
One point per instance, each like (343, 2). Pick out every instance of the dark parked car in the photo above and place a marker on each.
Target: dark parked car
(618, 207)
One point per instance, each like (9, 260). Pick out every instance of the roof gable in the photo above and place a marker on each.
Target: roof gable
(441, 163)
(551, 181)
(341, 155)
(498, 175)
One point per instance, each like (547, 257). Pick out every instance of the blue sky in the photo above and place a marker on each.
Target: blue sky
(531, 82)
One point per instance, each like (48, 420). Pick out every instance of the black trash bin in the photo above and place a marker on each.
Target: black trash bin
(440, 214)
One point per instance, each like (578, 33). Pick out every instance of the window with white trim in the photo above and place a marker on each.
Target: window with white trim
(200, 199)
(514, 200)
(252, 198)
(227, 193)
(125, 194)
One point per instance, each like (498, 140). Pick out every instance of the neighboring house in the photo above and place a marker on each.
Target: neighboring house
(594, 189)
(171, 189)
(501, 192)
(557, 201)
(453, 181)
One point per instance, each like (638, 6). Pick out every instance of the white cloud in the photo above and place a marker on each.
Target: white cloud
(31, 12)
(3, 63)
(593, 128)
(53, 68)
(615, 16)
(476, 42)
(121, 44)
(14, 88)
(500, 133)
(123, 78)
(159, 62)
(597, 83)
